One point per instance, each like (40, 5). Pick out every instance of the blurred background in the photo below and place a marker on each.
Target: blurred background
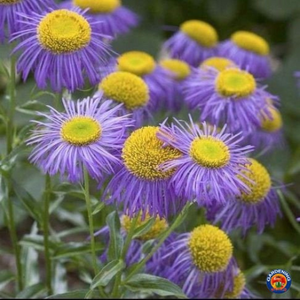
(278, 21)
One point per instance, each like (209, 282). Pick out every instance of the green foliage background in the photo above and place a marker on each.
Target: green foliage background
(276, 20)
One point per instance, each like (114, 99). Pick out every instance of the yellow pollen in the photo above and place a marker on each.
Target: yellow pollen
(126, 88)
(261, 183)
(4, 2)
(156, 229)
(235, 83)
(274, 123)
(136, 62)
(180, 68)
(98, 6)
(218, 63)
(239, 283)
(203, 33)
(81, 131)
(251, 42)
(211, 249)
(64, 31)
(209, 152)
(143, 153)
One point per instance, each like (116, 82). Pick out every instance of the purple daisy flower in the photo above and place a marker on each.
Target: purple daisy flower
(157, 78)
(180, 71)
(210, 161)
(193, 43)
(140, 185)
(87, 135)
(230, 97)
(129, 89)
(62, 47)
(202, 259)
(10, 10)
(115, 19)
(216, 63)
(259, 207)
(249, 51)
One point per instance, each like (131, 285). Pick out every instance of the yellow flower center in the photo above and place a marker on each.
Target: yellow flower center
(98, 6)
(64, 31)
(156, 229)
(235, 83)
(274, 123)
(81, 131)
(143, 153)
(4, 2)
(261, 183)
(125, 88)
(218, 63)
(251, 42)
(136, 62)
(180, 68)
(209, 152)
(201, 32)
(211, 249)
(239, 283)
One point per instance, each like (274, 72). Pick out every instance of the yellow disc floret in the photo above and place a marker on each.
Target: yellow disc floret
(251, 42)
(143, 153)
(201, 32)
(179, 68)
(209, 152)
(63, 31)
(218, 63)
(259, 183)
(4, 2)
(235, 83)
(239, 283)
(136, 62)
(273, 123)
(126, 88)
(98, 6)
(81, 131)
(156, 229)
(211, 249)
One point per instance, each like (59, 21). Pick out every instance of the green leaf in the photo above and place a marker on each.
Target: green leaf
(143, 229)
(78, 294)
(31, 292)
(31, 107)
(59, 280)
(154, 285)
(5, 278)
(107, 273)
(74, 249)
(98, 207)
(36, 242)
(3, 189)
(116, 241)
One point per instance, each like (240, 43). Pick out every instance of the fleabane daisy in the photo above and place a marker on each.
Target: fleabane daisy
(194, 42)
(10, 11)
(231, 97)
(86, 135)
(202, 259)
(180, 71)
(62, 48)
(216, 63)
(210, 163)
(113, 18)
(157, 78)
(141, 185)
(129, 89)
(258, 207)
(250, 51)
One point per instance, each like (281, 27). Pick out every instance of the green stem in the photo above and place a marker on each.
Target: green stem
(47, 197)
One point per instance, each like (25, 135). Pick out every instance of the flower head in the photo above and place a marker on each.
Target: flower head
(112, 17)
(249, 51)
(141, 185)
(210, 163)
(61, 47)
(217, 63)
(258, 207)
(231, 97)
(158, 80)
(11, 10)
(194, 42)
(87, 135)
